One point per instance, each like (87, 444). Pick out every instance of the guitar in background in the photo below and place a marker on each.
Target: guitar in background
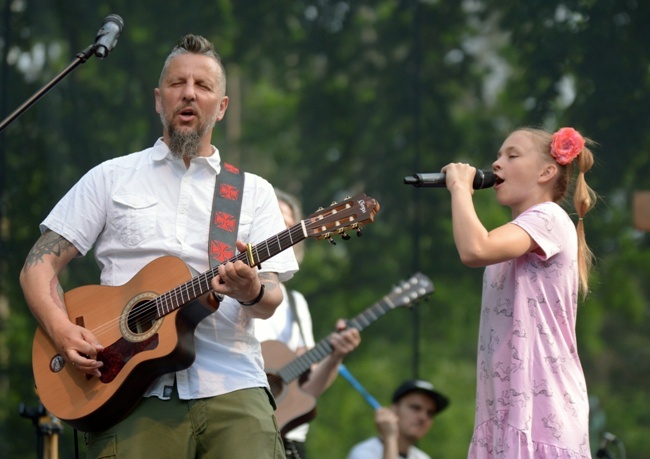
(283, 368)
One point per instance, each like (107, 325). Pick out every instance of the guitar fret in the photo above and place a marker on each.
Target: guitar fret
(279, 241)
(163, 300)
(256, 252)
(158, 310)
(205, 279)
(323, 348)
(180, 292)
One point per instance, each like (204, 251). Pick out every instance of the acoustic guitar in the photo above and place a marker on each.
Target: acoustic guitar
(146, 326)
(283, 369)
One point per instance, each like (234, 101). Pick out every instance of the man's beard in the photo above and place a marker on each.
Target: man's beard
(186, 144)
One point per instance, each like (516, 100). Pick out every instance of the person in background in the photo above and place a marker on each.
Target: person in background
(531, 390)
(136, 208)
(292, 325)
(415, 403)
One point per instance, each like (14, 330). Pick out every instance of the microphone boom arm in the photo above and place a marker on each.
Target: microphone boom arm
(82, 57)
(111, 28)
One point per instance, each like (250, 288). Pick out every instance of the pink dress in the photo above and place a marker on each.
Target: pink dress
(531, 398)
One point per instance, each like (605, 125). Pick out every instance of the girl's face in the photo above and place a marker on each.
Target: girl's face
(521, 170)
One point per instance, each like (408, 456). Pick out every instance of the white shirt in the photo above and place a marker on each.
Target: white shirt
(136, 208)
(282, 327)
(373, 448)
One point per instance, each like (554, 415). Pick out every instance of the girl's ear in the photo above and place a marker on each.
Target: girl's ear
(549, 171)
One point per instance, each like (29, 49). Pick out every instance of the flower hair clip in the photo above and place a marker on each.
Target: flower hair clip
(567, 143)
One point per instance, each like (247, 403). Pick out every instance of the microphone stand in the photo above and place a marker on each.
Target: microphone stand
(81, 58)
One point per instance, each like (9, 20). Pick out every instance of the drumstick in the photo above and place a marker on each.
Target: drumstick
(343, 371)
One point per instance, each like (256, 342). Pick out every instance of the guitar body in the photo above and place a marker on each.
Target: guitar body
(294, 407)
(137, 348)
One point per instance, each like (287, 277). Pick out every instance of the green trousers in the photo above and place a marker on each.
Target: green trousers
(237, 425)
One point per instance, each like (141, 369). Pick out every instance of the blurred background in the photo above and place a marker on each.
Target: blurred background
(330, 98)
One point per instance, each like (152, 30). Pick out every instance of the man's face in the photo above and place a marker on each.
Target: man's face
(415, 412)
(190, 99)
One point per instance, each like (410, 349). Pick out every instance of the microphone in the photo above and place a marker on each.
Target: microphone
(482, 179)
(107, 35)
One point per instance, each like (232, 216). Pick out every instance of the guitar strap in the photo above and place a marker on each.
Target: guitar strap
(226, 208)
(294, 313)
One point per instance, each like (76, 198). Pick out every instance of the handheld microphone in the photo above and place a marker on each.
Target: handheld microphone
(107, 36)
(482, 179)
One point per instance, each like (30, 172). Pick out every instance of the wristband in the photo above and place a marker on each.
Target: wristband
(256, 300)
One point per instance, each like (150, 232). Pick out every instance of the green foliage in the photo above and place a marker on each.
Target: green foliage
(337, 98)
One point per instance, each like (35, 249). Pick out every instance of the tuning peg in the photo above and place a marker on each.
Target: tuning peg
(359, 233)
(333, 202)
(345, 236)
(331, 241)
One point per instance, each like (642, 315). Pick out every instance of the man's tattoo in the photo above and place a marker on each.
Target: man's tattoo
(271, 280)
(56, 293)
(49, 243)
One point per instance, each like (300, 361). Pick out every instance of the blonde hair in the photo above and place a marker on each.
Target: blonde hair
(584, 198)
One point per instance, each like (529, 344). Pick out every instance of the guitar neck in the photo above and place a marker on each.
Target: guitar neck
(323, 348)
(255, 256)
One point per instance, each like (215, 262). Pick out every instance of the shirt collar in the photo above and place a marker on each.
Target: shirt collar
(162, 152)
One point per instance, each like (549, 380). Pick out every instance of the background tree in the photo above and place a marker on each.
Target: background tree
(329, 98)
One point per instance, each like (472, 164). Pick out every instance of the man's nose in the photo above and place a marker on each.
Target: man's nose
(188, 92)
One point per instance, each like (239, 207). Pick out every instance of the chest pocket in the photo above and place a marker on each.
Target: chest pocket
(134, 218)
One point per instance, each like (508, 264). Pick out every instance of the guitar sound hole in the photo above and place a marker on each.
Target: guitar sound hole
(141, 317)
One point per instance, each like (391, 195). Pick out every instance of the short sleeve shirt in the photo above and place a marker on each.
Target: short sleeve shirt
(137, 208)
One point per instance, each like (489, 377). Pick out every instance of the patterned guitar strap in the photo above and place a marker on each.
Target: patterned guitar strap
(226, 207)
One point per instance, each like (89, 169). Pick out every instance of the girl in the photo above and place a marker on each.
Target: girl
(531, 399)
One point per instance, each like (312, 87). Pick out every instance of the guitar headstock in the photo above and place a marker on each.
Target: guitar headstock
(410, 291)
(351, 214)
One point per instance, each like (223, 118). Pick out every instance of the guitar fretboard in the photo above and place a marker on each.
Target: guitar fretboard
(323, 348)
(172, 300)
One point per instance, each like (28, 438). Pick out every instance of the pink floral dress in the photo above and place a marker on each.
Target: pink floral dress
(531, 398)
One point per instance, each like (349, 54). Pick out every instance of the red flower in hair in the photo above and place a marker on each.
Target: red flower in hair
(567, 143)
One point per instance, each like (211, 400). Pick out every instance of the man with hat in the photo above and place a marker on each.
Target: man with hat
(409, 418)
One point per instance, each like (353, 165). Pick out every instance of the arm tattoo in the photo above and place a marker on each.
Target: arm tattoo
(49, 243)
(271, 280)
(56, 293)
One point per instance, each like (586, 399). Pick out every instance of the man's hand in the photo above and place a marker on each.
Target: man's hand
(344, 340)
(79, 348)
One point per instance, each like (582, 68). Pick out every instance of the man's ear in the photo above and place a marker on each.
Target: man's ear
(549, 171)
(156, 95)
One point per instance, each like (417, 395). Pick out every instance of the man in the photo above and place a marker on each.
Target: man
(158, 202)
(292, 325)
(415, 403)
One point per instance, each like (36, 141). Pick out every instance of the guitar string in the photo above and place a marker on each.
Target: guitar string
(149, 310)
(173, 299)
(410, 291)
